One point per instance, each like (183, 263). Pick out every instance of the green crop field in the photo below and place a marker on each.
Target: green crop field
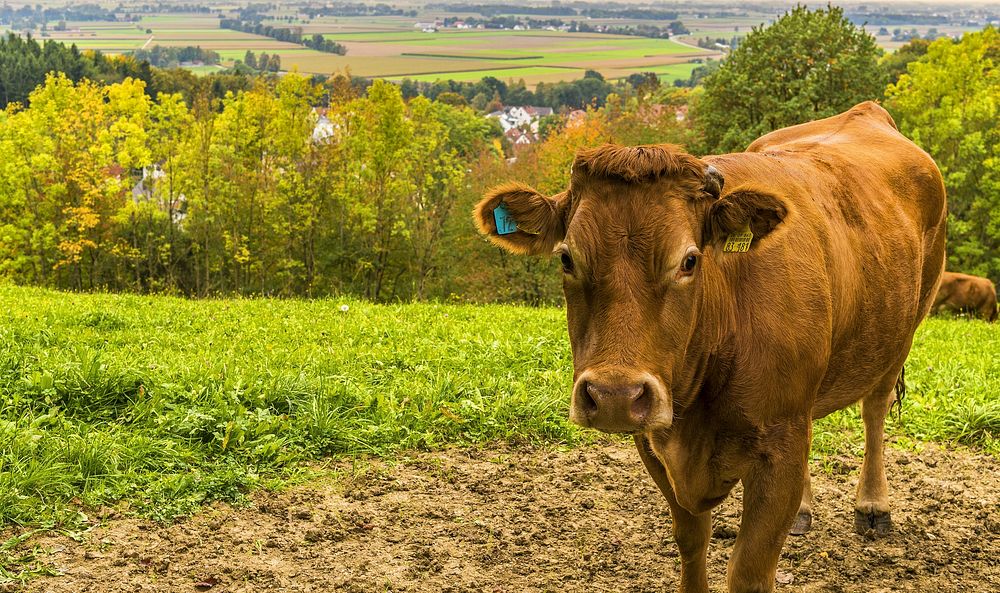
(536, 73)
(164, 403)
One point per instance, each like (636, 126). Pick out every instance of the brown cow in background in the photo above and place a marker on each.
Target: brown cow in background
(964, 293)
(716, 349)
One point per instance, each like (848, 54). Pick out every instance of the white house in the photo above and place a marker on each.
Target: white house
(521, 117)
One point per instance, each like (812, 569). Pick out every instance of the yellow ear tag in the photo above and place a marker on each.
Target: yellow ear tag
(739, 241)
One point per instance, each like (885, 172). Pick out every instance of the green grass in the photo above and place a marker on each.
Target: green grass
(167, 403)
(671, 72)
(164, 403)
(500, 73)
(202, 70)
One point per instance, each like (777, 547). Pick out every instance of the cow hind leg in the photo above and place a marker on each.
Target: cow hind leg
(988, 312)
(871, 512)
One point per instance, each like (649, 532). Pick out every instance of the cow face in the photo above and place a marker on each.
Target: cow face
(631, 232)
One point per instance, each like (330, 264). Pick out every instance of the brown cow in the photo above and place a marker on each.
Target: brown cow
(717, 360)
(963, 293)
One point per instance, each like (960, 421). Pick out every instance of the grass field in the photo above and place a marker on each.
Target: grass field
(165, 403)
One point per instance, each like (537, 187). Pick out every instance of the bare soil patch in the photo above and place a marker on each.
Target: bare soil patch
(587, 519)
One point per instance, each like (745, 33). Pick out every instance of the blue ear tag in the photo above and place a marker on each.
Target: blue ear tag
(505, 222)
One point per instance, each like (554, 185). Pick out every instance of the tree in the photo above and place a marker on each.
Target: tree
(164, 243)
(644, 82)
(678, 28)
(378, 144)
(250, 59)
(451, 98)
(894, 65)
(444, 138)
(66, 171)
(947, 103)
(807, 65)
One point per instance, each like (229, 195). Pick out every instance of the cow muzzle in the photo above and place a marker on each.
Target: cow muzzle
(620, 402)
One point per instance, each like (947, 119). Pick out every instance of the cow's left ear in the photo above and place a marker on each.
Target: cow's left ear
(760, 210)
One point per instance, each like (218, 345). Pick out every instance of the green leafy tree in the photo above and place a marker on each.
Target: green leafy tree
(894, 65)
(947, 102)
(79, 144)
(379, 150)
(446, 139)
(809, 64)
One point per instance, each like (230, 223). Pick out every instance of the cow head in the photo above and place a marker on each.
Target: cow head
(637, 232)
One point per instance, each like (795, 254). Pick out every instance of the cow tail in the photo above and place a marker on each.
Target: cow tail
(900, 394)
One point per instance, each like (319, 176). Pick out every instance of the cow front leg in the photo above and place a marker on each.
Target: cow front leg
(772, 492)
(803, 519)
(871, 512)
(691, 532)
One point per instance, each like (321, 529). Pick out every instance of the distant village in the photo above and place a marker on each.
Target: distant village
(520, 124)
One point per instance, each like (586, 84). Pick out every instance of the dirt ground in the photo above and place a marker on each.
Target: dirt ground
(588, 519)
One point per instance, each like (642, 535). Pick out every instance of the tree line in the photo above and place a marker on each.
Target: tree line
(289, 34)
(24, 64)
(106, 188)
(172, 57)
(263, 62)
(491, 93)
(593, 11)
(28, 17)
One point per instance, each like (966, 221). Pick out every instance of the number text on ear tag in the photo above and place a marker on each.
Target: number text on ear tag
(505, 222)
(739, 241)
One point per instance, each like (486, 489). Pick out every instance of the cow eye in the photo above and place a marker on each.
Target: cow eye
(567, 262)
(687, 266)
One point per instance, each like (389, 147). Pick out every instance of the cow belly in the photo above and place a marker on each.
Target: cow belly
(871, 344)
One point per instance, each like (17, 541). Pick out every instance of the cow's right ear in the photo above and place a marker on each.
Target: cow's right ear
(521, 220)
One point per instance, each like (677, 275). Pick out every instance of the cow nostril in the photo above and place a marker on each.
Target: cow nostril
(641, 403)
(634, 392)
(587, 398)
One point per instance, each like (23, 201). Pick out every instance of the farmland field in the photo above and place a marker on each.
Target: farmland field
(392, 48)
(152, 406)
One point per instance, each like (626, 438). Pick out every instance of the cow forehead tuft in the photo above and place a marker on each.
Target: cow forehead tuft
(638, 163)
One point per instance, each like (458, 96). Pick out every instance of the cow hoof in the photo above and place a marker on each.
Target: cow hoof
(803, 523)
(872, 524)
